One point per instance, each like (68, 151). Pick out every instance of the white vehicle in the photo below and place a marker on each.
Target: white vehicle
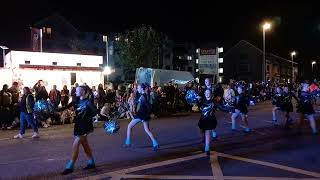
(162, 76)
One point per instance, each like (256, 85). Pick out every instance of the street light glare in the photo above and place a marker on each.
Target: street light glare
(313, 62)
(293, 53)
(107, 70)
(266, 26)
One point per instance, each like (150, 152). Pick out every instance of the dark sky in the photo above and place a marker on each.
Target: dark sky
(296, 24)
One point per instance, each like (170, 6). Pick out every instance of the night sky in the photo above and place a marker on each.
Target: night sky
(296, 24)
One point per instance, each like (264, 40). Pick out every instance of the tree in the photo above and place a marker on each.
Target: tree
(139, 48)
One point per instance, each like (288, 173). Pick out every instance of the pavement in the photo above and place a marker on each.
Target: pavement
(269, 152)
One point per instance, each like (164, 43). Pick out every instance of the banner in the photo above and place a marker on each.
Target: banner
(208, 62)
(36, 39)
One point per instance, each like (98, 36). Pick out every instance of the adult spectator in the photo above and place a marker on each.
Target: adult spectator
(26, 108)
(15, 92)
(40, 91)
(5, 104)
(55, 97)
(73, 92)
(64, 96)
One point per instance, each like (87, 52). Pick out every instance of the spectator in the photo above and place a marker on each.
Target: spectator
(64, 96)
(55, 97)
(15, 92)
(73, 92)
(26, 108)
(101, 96)
(5, 104)
(40, 91)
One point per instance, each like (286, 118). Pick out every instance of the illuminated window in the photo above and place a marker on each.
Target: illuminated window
(197, 70)
(197, 51)
(220, 60)
(197, 61)
(220, 50)
(48, 31)
(220, 70)
(189, 58)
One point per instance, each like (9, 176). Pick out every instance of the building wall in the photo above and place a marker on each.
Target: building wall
(29, 67)
(244, 62)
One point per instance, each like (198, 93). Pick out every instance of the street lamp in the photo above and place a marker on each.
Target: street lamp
(293, 53)
(3, 53)
(313, 63)
(105, 39)
(266, 26)
(107, 70)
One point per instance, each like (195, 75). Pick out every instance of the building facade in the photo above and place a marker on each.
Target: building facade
(58, 69)
(179, 56)
(244, 62)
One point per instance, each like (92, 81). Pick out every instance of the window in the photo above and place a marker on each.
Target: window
(190, 69)
(27, 62)
(54, 63)
(220, 60)
(198, 50)
(78, 64)
(220, 70)
(179, 57)
(117, 38)
(220, 50)
(49, 31)
(197, 61)
(197, 70)
(189, 58)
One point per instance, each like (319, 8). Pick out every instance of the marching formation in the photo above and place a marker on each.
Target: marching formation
(234, 99)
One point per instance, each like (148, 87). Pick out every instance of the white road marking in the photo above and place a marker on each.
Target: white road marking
(282, 167)
(215, 166)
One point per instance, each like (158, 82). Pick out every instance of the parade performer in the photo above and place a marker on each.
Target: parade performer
(26, 109)
(287, 106)
(85, 111)
(208, 121)
(305, 107)
(240, 109)
(141, 114)
(277, 101)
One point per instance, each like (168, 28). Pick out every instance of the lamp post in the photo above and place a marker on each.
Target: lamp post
(3, 53)
(266, 26)
(313, 63)
(105, 39)
(293, 53)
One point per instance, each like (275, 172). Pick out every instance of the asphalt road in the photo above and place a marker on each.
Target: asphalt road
(269, 151)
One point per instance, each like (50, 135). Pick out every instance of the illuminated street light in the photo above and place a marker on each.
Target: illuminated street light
(266, 26)
(293, 53)
(107, 70)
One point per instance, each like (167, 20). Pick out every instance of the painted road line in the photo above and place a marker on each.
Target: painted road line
(282, 167)
(215, 167)
(147, 166)
(264, 178)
